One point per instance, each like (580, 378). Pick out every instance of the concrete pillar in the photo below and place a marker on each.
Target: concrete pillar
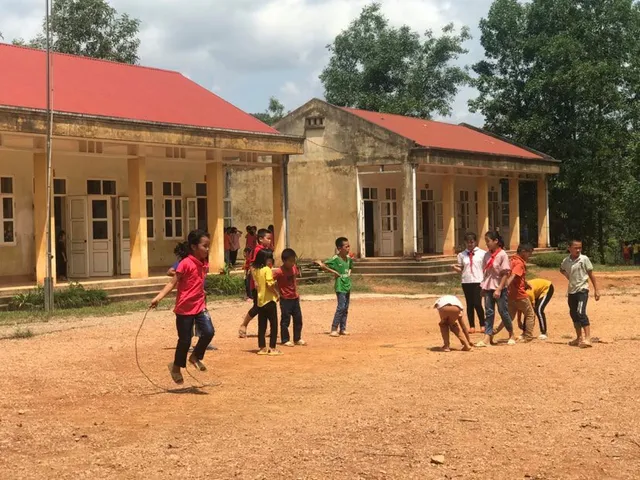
(40, 219)
(483, 206)
(215, 211)
(279, 225)
(448, 215)
(543, 213)
(514, 213)
(409, 234)
(138, 217)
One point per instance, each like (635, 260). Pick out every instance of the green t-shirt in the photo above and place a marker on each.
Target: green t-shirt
(343, 267)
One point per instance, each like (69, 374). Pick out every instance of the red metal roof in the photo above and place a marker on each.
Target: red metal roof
(108, 89)
(446, 136)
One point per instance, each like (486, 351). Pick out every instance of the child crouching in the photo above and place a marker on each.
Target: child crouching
(450, 309)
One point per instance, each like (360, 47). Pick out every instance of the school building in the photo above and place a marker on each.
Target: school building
(140, 157)
(402, 186)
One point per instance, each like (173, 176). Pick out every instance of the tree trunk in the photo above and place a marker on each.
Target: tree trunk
(601, 237)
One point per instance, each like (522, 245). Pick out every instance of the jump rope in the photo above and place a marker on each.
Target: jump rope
(159, 387)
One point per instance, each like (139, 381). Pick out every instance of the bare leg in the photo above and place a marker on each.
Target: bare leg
(455, 328)
(444, 331)
(464, 328)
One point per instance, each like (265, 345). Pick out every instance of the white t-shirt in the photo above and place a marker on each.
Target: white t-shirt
(578, 271)
(448, 300)
(471, 272)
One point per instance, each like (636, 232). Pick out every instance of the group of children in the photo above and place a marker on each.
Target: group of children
(266, 285)
(504, 284)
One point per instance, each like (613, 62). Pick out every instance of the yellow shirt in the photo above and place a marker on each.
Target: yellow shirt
(263, 278)
(539, 288)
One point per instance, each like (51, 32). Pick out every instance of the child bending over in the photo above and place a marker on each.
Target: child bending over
(450, 310)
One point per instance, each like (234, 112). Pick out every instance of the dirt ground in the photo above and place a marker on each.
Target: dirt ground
(378, 404)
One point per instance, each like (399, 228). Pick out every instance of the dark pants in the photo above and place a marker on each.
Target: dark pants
(61, 267)
(578, 308)
(184, 325)
(290, 308)
(233, 256)
(268, 314)
(473, 296)
(342, 312)
(253, 311)
(539, 307)
(247, 285)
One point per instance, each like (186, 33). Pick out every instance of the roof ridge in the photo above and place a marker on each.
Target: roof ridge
(87, 58)
(406, 116)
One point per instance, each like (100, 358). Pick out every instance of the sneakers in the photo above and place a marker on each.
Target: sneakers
(511, 341)
(274, 352)
(334, 333)
(542, 337)
(344, 332)
(301, 343)
(289, 344)
(263, 351)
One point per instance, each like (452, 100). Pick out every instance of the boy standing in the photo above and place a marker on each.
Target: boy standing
(517, 286)
(578, 269)
(340, 265)
(286, 278)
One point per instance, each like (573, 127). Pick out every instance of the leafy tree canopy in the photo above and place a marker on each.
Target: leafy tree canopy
(273, 114)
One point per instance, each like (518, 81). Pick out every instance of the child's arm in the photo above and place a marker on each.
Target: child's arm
(503, 281)
(321, 264)
(164, 292)
(595, 285)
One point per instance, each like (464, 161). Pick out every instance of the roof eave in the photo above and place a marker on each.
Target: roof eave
(543, 158)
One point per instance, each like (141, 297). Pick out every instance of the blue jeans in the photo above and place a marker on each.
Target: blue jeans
(184, 325)
(490, 312)
(342, 311)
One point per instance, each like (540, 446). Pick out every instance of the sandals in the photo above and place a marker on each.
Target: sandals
(197, 364)
(574, 343)
(176, 376)
(446, 349)
(263, 351)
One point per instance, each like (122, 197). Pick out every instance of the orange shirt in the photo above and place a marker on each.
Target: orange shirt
(227, 241)
(517, 288)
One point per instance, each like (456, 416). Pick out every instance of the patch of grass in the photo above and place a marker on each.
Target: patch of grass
(225, 284)
(21, 333)
(74, 296)
(548, 260)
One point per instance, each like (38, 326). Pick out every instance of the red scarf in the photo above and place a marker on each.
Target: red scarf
(492, 259)
(471, 260)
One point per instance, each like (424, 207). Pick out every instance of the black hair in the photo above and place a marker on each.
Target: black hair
(61, 232)
(247, 250)
(288, 253)
(262, 257)
(495, 235)
(182, 250)
(194, 238)
(340, 241)
(470, 236)
(270, 228)
(574, 240)
(263, 232)
(525, 247)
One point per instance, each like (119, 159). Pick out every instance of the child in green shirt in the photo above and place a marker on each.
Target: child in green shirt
(340, 265)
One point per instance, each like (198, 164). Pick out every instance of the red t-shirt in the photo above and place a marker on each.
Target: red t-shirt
(287, 280)
(517, 288)
(191, 298)
(251, 241)
(227, 241)
(252, 259)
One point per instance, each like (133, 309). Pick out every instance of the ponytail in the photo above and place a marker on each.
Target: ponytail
(182, 250)
(495, 235)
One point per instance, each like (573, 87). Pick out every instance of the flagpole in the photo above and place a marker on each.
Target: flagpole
(48, 281)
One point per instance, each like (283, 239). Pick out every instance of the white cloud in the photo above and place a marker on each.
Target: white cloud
(252, 49)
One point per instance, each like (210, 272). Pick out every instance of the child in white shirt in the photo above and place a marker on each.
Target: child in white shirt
(450, 309)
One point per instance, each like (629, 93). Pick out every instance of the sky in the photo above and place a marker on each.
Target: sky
(248, 50)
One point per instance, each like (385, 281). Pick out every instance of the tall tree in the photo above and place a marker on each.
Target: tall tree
(91, 28)
(375, 66)
(563, 76)
(273, 114)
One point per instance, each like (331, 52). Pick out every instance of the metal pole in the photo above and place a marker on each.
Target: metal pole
(285, 198)
(48, 281)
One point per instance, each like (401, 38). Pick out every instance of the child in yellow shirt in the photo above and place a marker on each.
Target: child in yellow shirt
(540, 295)
(267, 296)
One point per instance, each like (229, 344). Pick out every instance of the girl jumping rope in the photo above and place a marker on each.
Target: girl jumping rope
(190, 304)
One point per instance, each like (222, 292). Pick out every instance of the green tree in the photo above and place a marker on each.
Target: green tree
(273, 114)
(375, 66)
(91, 28)
(563, 77)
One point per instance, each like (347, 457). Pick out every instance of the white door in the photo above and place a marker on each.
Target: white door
(125, 237)
(388, 215)
(78, 237)
(439, 228)
(100, 237)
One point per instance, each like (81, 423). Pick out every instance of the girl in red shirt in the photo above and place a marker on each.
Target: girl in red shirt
(190, 306)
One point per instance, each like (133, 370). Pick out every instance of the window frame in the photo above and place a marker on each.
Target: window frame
(150, 236)
(226, 200)
(11, 196)
(101, 180)
(175, 214)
